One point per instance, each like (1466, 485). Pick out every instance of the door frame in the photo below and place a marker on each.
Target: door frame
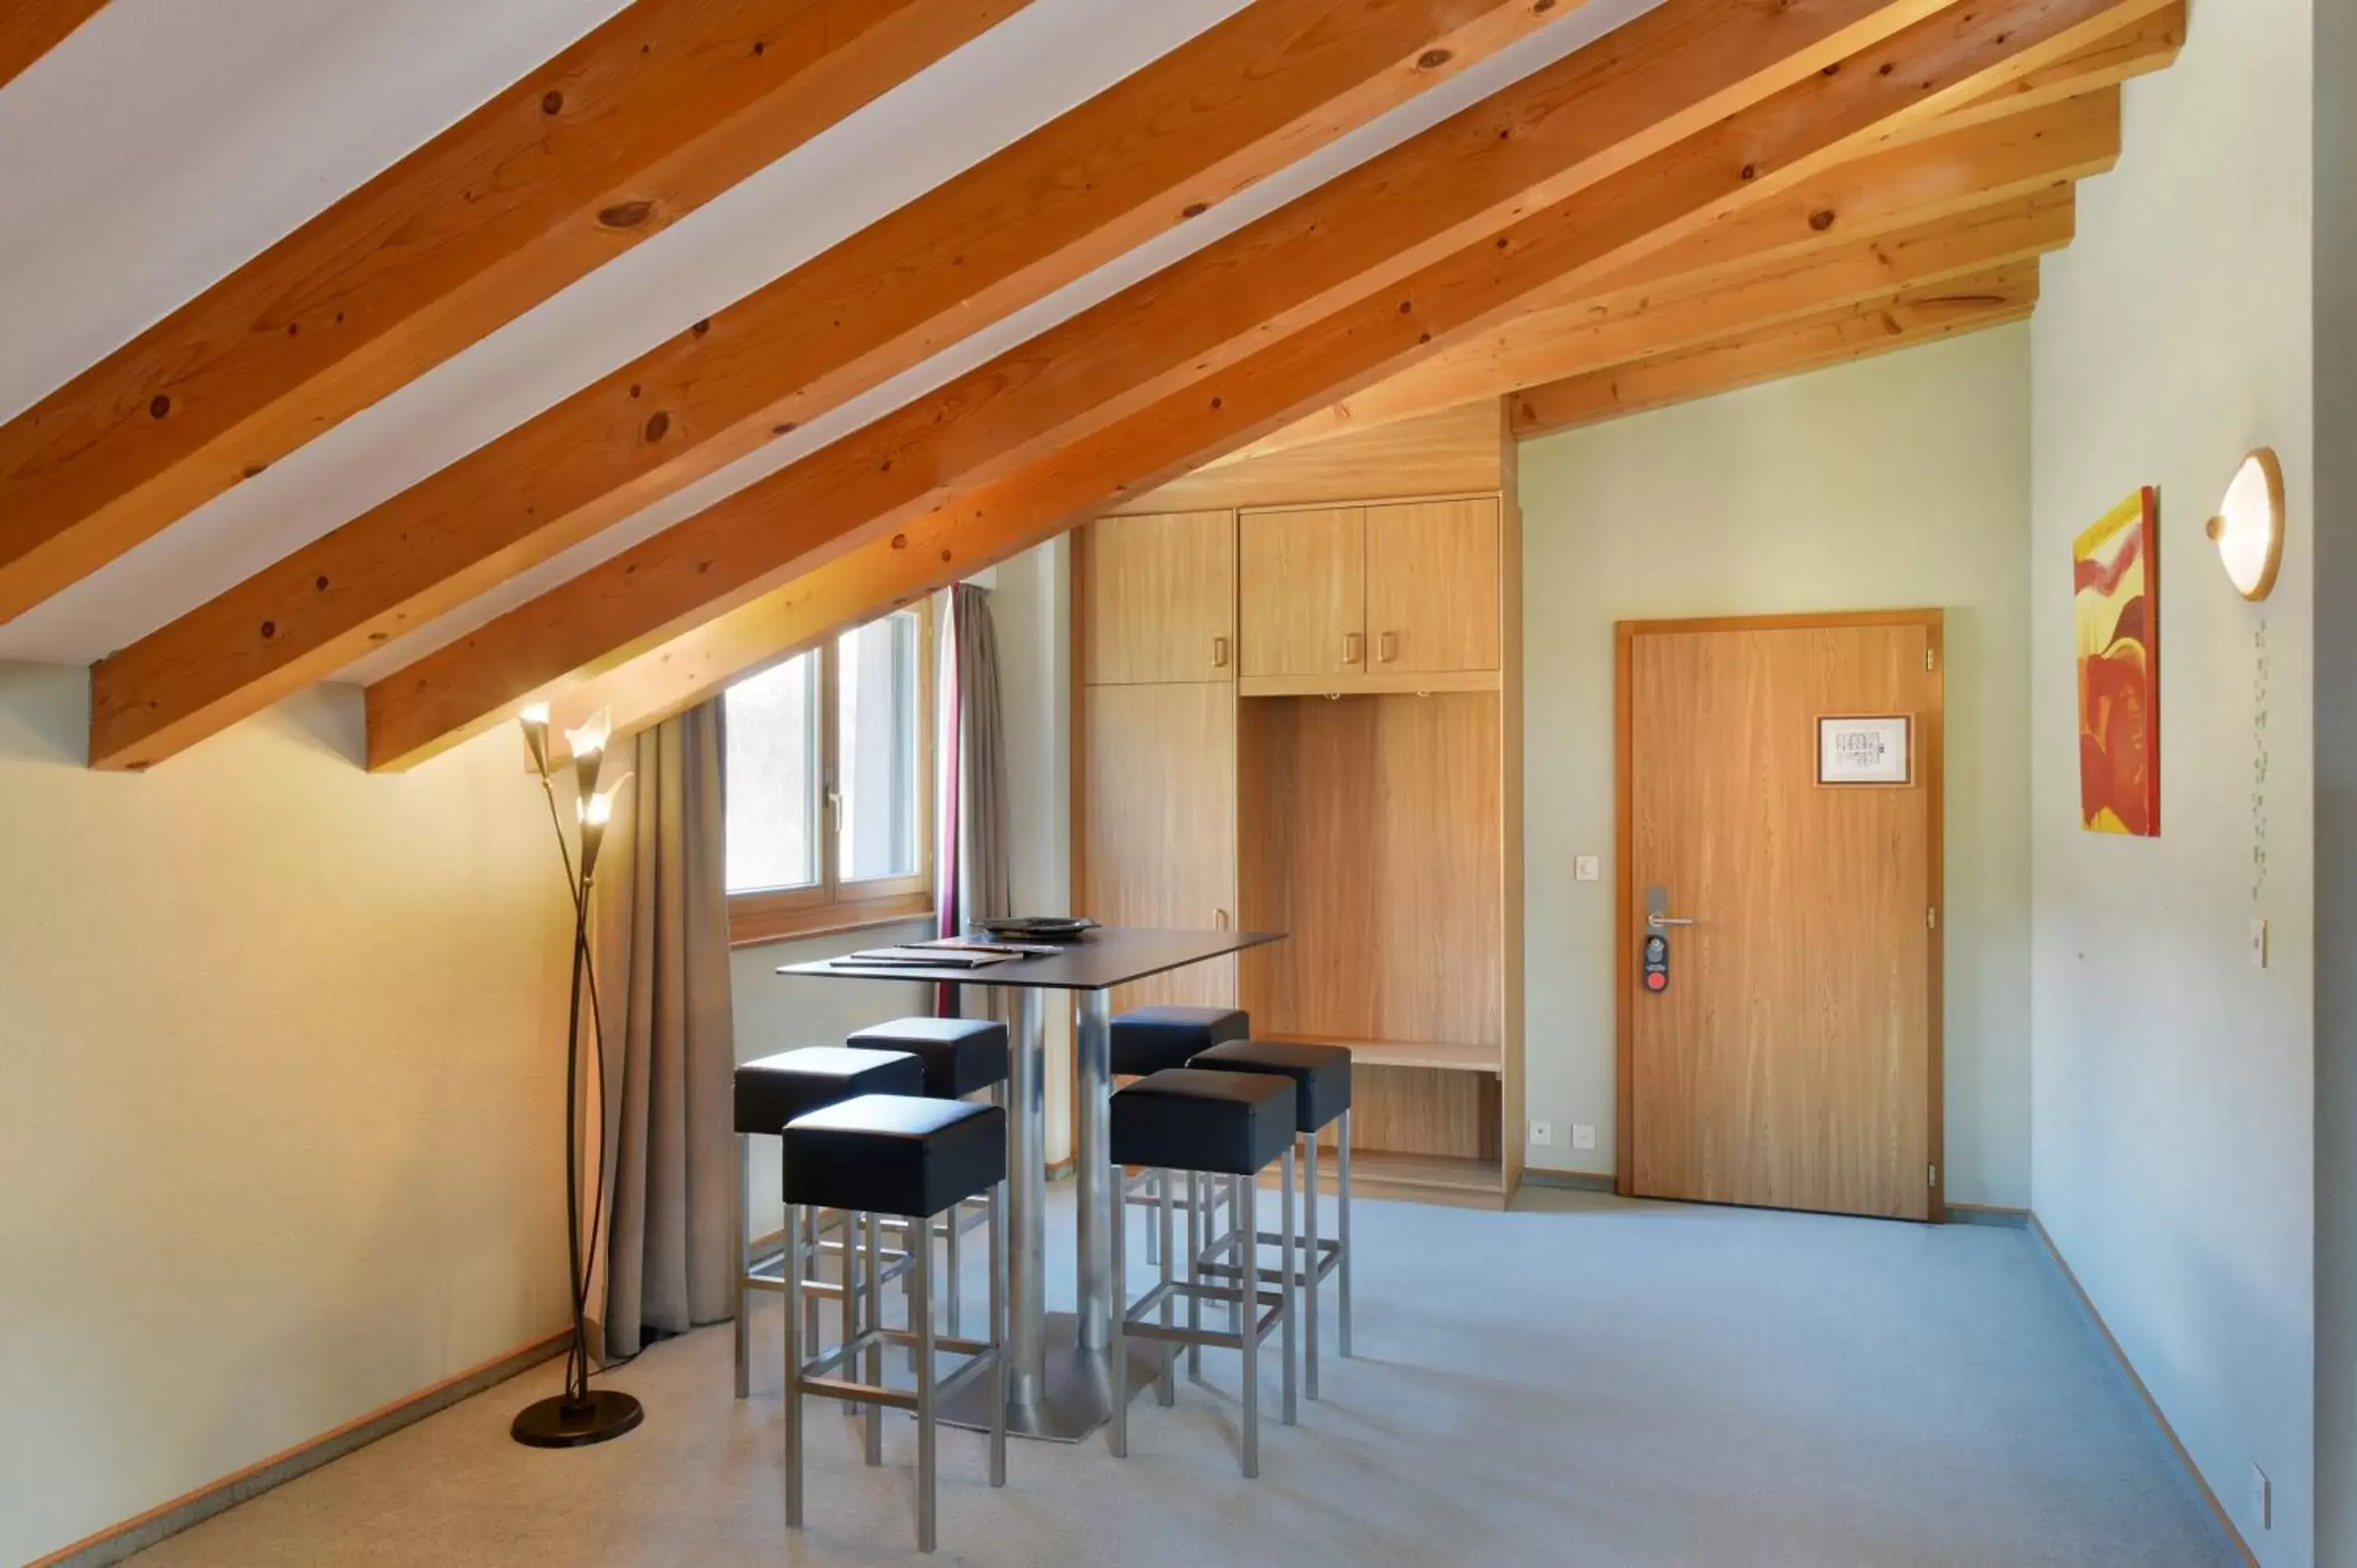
(1931, 750)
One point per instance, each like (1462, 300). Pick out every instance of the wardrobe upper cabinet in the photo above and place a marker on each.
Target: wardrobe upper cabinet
(1432, 587)
(1158, 597)
(1303, 589)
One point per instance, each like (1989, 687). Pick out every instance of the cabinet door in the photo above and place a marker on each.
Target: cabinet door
(1159, 823)
(1301, 579)
(1159, 599)
(1432, 587)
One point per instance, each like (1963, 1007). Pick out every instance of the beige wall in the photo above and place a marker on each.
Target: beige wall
(280, 1073)
(2174, 1133)
(1894, 483)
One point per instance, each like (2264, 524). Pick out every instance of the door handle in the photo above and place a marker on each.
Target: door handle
(1219, 653)
(1353, 647)
(1657, 909)
(1660, 921)
(1387, 647)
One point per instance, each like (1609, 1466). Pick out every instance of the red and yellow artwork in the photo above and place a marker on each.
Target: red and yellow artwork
(2116, 569)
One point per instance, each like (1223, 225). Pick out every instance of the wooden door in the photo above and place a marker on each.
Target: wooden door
(1159, 596)
(1792, 1058)
(1432, 587)
(1301, 579)
(1159, 828)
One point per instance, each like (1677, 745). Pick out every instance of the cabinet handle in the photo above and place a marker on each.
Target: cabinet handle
(1390, 647)
(1219, 653)
(1353, 650)
(1220, 919)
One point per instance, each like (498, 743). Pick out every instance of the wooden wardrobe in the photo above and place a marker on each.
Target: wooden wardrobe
(1299, 708)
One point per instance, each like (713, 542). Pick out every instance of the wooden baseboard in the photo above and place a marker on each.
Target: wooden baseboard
(2218, 1515)
(116, 1542)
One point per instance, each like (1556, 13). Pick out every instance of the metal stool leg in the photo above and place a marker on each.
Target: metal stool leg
(956, 1263)
(921, 1269)
(1117, 1350)
(1309, 1330)
(1194, 1259)
(744, 1262)
(1284, 1289)
(850, 1223)
(1248, 1212)
(874, 1292)
(998, 1332)
(1167, 1385)
(796, 1264)
(1343, 1227)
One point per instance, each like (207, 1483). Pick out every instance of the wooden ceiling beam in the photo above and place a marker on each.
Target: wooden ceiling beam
(759, 542)
(2040, 151)
(647, 117)
(2147, 45)
(31, 28)
(1223, 111)
(1856, 331)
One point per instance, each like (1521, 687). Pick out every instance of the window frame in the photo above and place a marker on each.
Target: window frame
(831, 905)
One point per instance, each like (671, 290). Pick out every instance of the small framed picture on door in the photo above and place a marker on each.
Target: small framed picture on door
(1866, 748)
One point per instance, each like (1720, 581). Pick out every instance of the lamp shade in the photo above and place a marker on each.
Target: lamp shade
(2249, 527)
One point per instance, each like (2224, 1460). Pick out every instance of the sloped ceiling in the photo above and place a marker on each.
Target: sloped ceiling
(168, 141)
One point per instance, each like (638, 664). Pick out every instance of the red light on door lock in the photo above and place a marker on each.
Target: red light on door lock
(1656, 981)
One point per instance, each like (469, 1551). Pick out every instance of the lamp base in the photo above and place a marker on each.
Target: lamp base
(559, 1422)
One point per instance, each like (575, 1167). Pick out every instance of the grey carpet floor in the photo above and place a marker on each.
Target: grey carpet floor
(1580, 1382)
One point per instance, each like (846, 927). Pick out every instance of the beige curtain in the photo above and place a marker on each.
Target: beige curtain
(971, 847)
(661, 941)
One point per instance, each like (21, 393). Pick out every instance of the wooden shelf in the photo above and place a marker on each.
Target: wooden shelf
(1415, 1178)
(1375, 685)
(1445, 1055)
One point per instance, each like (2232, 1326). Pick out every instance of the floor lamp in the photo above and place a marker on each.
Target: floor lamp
(581, 1414)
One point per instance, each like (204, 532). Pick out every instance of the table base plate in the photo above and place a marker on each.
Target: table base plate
(1076, 1397)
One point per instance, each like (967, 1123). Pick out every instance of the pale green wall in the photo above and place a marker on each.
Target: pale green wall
(1895, 483)
(2174, 1083)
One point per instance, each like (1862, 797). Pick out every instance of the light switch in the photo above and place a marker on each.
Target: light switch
(2258, 941)
(1587, 869)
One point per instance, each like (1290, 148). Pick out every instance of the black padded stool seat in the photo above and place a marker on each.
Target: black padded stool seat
(961, 1054)
(1192, 1119)
(775, 1090)
(1320, 1074)
(1148, 1039)
(895, 1153)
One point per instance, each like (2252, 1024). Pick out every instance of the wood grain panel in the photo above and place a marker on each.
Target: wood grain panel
(1240, 100)
(1446, 451)
(1160, 598)
(677, 654)
(1432, 586)
(1792, 1061)
(1372, 839)
(1160, 831)
(641, 121)
(1421, 1110)
(1301, 583)
(31, 28)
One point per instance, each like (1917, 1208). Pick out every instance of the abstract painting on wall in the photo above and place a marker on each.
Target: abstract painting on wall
(2116, 570)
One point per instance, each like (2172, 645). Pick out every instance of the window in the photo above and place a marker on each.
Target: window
(830, 785)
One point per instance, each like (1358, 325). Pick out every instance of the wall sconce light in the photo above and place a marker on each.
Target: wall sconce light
(2249, 527)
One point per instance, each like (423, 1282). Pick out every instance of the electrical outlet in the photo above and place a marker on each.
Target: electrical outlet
(1587, 869)
(1541, 1132)
(1583, 1137)
(2263, 1499)
(2258, 941)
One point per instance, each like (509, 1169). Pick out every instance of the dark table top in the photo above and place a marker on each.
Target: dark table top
(1108, 956)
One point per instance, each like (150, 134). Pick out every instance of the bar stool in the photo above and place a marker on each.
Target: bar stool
(962, 1057)
(917, 1159)
(1148, 1039)
(1322, 1087)
(1229, 1123)
(771, 1092)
